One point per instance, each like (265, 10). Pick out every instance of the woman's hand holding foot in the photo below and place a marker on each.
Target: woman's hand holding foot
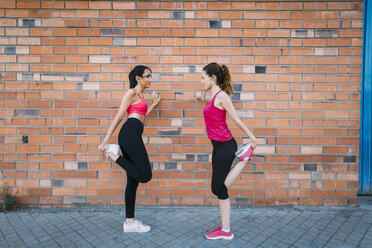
(103, 147)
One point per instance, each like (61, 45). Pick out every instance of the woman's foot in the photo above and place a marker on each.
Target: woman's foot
(245, 153)
(113, 151)
(113, 156)
(218, 233)
(136, 226)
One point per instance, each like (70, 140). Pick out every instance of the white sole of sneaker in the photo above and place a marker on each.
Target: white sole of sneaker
(221, 237)
(242, 150)
(137, 231)
(113, 148)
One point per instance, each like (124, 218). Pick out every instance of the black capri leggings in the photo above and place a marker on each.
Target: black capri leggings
(134, 161)
(222, 158)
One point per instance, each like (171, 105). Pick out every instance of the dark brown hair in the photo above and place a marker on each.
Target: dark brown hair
(223, 76)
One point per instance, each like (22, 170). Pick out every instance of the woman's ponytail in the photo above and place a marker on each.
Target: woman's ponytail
(223, 76)
(226, 84)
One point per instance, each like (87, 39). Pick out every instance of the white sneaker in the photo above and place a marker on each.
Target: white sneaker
(137, 226)
(245, 153)
(112, 148)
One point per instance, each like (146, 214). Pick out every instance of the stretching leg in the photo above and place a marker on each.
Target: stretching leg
(234, 173)
(135, 160)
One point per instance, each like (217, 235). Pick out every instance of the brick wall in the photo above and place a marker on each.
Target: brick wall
(296, 66)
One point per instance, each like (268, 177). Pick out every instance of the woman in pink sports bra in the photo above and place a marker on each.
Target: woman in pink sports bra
(134, 160)
(216, 80)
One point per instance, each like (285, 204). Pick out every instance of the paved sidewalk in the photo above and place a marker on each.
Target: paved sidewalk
(185, 227)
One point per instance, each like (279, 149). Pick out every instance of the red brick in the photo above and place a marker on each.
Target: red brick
(7, 4)
(86, 174)
(52, 5)
(17, 13)
(28, 4)
(87, 191)
(87, 13)
(123, 5)
(40, 192)
(27, 200)
(323, 193)
(111, 192)
(172, 5)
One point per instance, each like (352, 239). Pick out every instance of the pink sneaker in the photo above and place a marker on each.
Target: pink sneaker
(245, 153)
(219, 234)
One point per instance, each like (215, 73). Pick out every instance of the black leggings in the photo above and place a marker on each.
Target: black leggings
(222, 158)
(134, 161)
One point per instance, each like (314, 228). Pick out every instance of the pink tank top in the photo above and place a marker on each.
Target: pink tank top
(138, 108)
(215, 122)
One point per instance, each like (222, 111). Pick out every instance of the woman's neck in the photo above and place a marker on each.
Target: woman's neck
(214, 89)
(139, 89)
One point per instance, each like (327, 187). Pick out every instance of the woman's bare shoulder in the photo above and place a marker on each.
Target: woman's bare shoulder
(130, 93)
(223, 96)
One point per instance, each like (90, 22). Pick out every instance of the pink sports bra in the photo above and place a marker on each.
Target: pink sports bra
(138, 108)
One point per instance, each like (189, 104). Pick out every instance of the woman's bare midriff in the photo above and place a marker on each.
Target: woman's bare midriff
(137, 116)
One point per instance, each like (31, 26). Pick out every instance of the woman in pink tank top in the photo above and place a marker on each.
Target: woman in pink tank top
(216, 80)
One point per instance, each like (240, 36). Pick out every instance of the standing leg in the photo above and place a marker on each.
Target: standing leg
(130, 194)
(135, 162)
(221, 163)
(225, 213)
(219, 188)
(130, 198)
(223, 204)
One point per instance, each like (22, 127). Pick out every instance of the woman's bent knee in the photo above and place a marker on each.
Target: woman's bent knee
(220, 192)
(216, 192)
(146, 178)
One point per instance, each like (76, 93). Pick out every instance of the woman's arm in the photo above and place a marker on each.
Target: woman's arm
(155, 101)
(125, 103)
(225, 102)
